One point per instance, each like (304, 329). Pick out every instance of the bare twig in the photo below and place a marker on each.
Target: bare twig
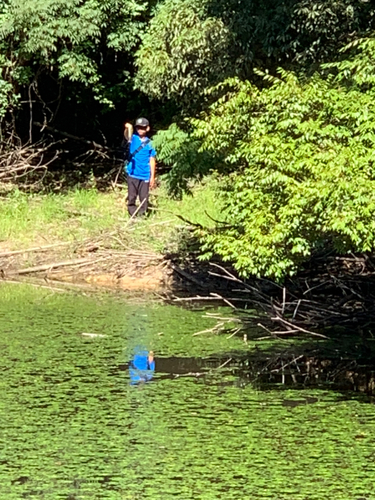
(226, 301)
(224, 364)
(34, 249)
(234, 333)
(186, 275)
(73, 137)
(282, 320)
(136, 212)
(210, 330)
(48, 267)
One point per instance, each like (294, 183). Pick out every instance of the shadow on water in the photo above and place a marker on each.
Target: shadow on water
(344, 364)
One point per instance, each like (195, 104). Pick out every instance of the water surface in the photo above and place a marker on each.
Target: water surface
(74, 427)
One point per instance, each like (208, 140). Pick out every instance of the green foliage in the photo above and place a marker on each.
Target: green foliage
(319, 28)
(358, 65)
(83, 50)
(183, 51)
(180, 151)
(190, 45)
(292, 31)
(302, 152)
(69, 39)
(8, 97)
(5, 97)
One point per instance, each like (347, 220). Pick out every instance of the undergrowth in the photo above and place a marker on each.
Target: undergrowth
(81, 214)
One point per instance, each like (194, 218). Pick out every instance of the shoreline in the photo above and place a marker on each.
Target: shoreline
(86, 236)
(87, 263)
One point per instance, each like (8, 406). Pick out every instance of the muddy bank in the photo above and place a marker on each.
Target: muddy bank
(334, 294)
(90, 262)
(87, 263)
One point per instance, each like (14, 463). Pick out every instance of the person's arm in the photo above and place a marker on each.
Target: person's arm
(153, 172)
(128, 132)
(126, 140)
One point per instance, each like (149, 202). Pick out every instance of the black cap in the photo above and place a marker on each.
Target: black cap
(141, 122)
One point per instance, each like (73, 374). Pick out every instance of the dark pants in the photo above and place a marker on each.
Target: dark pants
(137, 188)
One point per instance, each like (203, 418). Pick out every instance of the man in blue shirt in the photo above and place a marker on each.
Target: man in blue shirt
(141, 166)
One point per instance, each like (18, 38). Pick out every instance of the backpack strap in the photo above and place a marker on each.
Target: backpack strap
(139, 148)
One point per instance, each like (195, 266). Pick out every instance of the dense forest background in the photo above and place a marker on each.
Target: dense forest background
(275, 98)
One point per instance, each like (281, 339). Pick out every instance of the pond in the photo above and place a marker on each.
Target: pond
(75, 424)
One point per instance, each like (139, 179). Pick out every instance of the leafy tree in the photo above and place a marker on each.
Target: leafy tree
(302, 157)
(319, 28)
(357, 66)
(181, 151)
(6, 89)
(77, 43)
(183, 51)
(190, 45)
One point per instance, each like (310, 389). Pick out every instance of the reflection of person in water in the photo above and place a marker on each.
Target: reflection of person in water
(141, 367)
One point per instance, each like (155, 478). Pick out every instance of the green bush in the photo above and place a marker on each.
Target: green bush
(180, 151)
(302, 155)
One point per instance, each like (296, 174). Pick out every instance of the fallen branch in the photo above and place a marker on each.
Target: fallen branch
(226, 301)
(293, 326)
(73, 137)
(224, 364)
(276, 370)
(28, 160)
(33, 249)
(49, 267)
(186, 275)
(214, 329)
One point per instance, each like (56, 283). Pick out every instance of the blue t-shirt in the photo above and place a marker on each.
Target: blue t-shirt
(139, 166)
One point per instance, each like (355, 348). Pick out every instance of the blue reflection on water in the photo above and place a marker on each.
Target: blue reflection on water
(142, 366)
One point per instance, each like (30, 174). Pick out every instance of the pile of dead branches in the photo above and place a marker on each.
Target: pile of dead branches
(89, 257)
(27, 163)
(335, 292)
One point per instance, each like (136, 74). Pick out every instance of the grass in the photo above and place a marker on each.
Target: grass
(27, 220)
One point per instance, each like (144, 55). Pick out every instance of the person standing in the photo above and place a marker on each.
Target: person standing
(140, 166)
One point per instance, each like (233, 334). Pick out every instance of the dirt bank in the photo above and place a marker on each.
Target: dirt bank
(87, 262)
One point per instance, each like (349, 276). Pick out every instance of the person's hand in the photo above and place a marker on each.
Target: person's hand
(152, 183)
(128, 131)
